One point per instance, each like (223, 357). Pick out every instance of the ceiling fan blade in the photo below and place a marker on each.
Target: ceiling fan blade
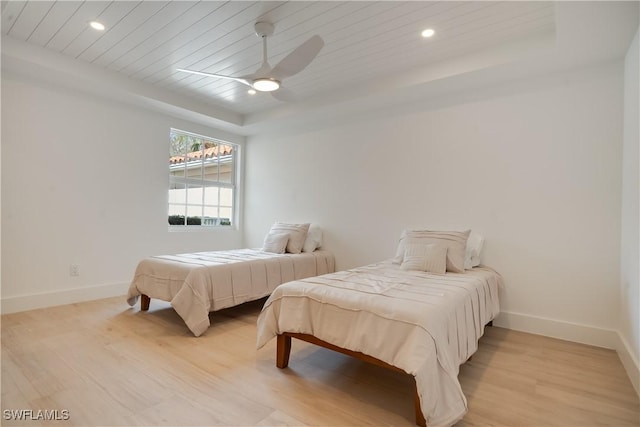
(219, 76)
(284, 95)
(298, 60)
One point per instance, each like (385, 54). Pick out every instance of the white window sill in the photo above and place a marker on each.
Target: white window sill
(200, 228)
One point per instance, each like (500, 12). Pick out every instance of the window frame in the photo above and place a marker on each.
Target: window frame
(202, 182)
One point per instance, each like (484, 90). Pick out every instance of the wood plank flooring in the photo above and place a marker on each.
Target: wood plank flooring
(108, 364)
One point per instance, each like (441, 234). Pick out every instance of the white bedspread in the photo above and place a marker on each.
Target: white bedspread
(425, 324)
(199, 283)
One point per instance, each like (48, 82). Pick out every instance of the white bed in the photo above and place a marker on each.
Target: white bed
(199, 283)
(421, 323)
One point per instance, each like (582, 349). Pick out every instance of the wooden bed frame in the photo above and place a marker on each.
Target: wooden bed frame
(283, 350)
(144, 302)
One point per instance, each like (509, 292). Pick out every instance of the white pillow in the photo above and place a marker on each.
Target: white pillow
(313, 240)
(430, 258)
(275, 242)
(472, 253)
(455, 241)
(297, 235)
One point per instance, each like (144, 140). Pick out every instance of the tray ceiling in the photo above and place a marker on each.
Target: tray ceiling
(368, 45)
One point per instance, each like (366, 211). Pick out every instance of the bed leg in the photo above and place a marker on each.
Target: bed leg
(283, 351)
(419, 415)
(144, 302)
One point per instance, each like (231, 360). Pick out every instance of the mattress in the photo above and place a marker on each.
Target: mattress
(202, 282)
(425, 324)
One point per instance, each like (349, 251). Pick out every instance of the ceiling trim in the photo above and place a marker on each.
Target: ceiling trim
(28, 60)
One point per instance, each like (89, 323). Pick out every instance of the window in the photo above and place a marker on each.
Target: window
(202, 180)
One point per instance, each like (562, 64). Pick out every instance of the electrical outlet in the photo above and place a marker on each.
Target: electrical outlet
(74, 270)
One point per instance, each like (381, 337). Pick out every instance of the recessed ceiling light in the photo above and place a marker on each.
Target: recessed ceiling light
(97, 25)
(251, 92)
(428, 33)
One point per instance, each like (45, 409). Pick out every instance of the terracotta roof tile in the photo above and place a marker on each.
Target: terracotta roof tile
(211, 152)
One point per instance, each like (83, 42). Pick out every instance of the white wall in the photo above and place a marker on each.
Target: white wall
(630, 245)
(84, 181)
(532, 165)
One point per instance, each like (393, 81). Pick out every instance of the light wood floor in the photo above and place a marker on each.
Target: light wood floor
(108, 364)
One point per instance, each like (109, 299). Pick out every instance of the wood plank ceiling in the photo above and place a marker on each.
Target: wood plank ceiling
(365, 41)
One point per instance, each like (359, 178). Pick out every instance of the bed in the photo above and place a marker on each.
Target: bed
(417, 322)
(198, 283)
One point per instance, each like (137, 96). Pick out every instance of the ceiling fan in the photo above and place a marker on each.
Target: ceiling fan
(267, 78)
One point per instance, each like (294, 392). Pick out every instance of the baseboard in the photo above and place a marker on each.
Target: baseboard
(584, 334)
(62, 297)
(629, 361)
(607, 338)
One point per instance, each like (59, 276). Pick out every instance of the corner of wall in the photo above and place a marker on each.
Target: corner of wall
(628, 339)
(630, 363)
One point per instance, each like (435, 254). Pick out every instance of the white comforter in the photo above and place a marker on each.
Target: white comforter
(198, 283)
(425, 324)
